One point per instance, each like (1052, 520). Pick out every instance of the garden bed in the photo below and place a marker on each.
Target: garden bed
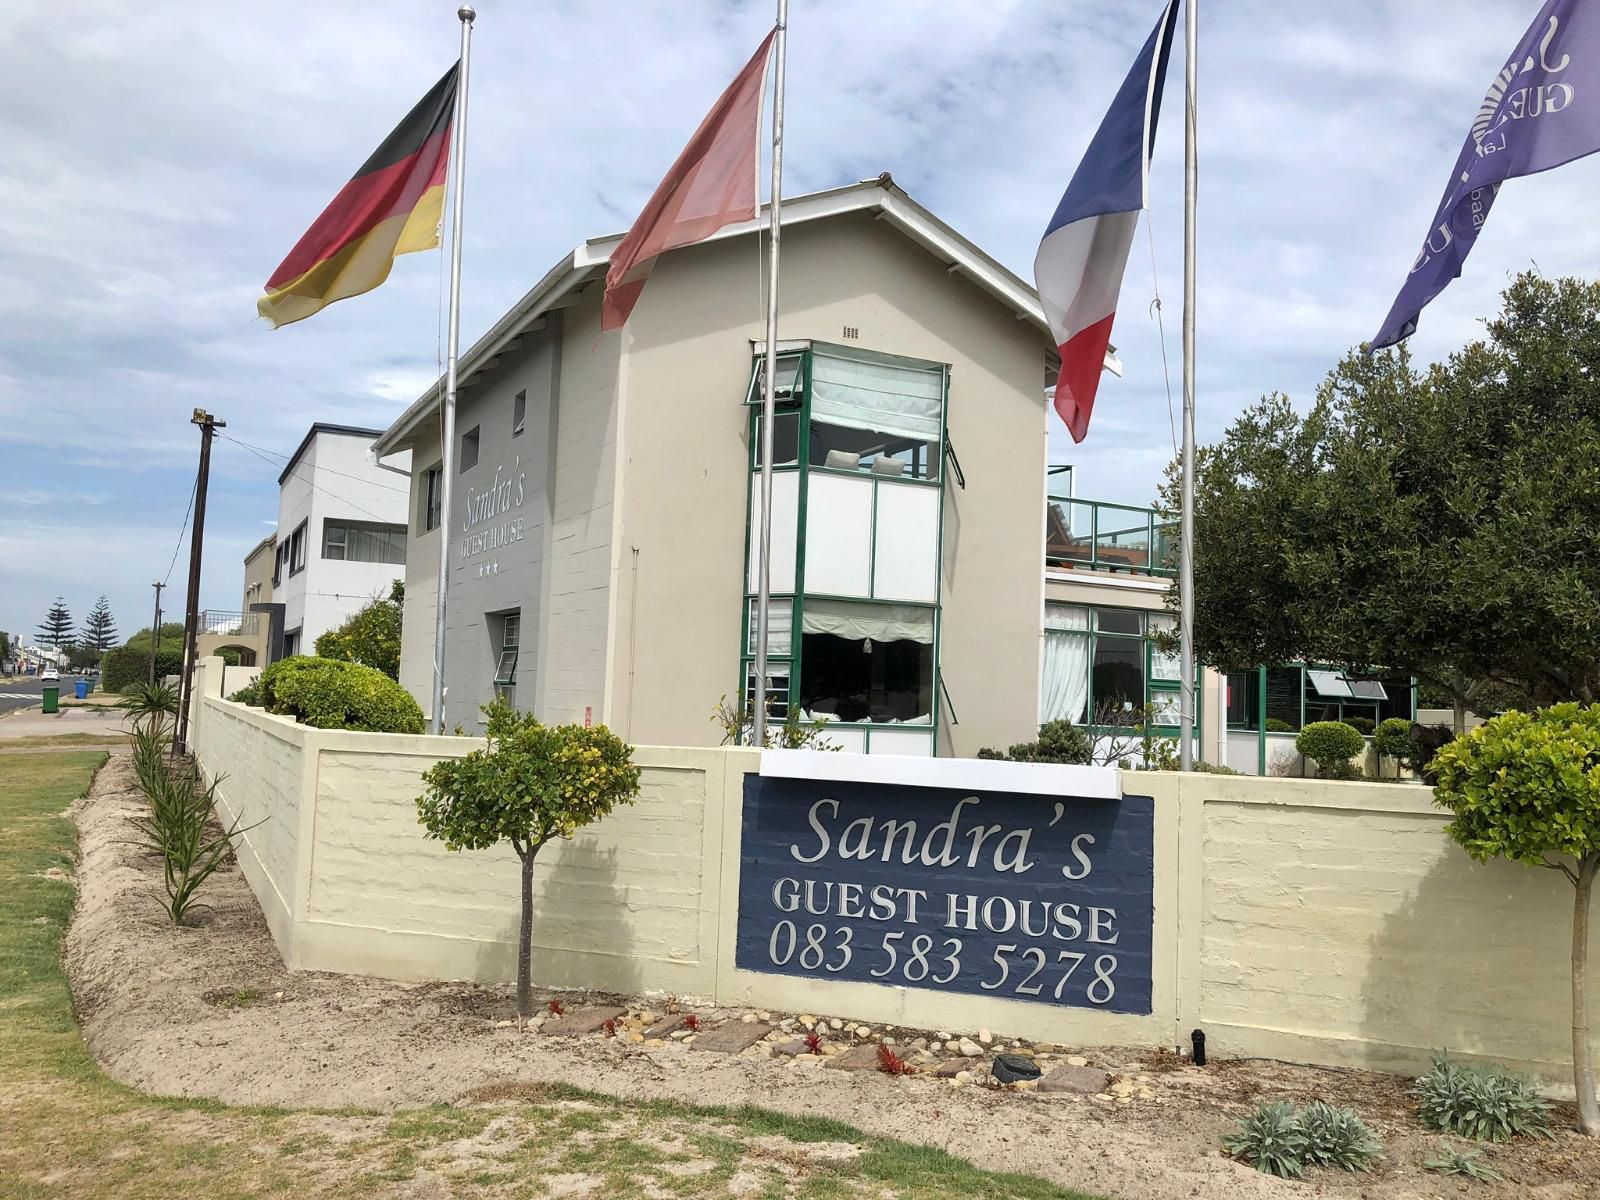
(211, 1011)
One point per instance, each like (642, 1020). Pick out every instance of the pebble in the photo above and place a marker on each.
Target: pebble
(969, 1048)
(748, 1018)
(935, 1045)
(862, 1031)
(917, 1043)
(888, 1041)
(836, 1023)
(985, 1037)
(807, 1020)
(1077, 1060)
(962, 1077)
(942, 1036)
(635, 1038)
(504, 1024)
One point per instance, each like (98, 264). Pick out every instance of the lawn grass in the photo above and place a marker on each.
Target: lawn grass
(43, 741)
(71, 1131)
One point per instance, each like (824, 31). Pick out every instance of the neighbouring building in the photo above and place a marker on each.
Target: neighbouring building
(340, 543)
(601, 533)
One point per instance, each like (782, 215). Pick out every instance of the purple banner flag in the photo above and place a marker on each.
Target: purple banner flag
(1542, 110)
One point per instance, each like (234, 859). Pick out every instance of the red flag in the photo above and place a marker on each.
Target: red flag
(712, 184)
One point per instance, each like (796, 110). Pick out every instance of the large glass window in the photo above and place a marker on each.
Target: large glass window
(1284, 696)
(1101, 664)
(508, 625)
(432, 497)
(1244, 699)
(875, 412)
(866, 662)
(297, 549)
(361, 541)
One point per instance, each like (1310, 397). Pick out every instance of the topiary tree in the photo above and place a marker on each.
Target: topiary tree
(329, 694)
(1059, 742)
(532, 783)
(1331, 745)
(1392, 739)
(1527, 787)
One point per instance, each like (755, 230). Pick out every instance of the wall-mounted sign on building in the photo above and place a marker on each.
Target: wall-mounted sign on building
(992, 892)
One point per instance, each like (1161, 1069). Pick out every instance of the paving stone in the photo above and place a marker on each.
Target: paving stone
(581, 1021)
(793, 1048)
(1082, 1081)
(665, 1026)
(857, 1058)
(731, 1038)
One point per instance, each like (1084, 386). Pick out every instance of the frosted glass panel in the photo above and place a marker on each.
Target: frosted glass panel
(851, 741)
(838, 535)
(785, 507)
(907, 543)
(915, 742)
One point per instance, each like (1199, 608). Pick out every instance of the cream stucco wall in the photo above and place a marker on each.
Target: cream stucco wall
(681, 535)
(1298, 919)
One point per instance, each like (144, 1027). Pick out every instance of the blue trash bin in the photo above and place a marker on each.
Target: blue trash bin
(81, 689)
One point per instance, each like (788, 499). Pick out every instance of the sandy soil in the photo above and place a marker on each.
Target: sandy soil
(211, 1011)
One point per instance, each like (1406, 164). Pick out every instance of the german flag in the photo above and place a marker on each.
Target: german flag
(392, 206)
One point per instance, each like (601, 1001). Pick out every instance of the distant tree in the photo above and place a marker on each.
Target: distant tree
(1429, 523)
(56, 631)
(171, 638)
(5, 644)
(99, 630)
(80, 655)
(531, 784)
(371, 637)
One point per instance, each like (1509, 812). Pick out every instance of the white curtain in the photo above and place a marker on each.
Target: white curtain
(860, 390)
(860, 622)
(1064, 682)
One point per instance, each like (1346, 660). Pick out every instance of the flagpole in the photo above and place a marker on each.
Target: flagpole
(769, 385)
(447, 435)
(1191, 177)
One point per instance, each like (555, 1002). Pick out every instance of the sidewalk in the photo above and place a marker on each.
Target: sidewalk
(31, 723)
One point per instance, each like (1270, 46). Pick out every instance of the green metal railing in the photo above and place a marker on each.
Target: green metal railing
(1109, 537)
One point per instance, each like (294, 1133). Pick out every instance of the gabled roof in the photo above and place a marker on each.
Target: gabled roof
(882, 196)
(325, 427)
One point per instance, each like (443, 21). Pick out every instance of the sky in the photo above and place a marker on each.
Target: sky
(161, 158)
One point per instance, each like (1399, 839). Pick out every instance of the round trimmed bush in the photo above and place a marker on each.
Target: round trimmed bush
(1393, 740)
(329, 694)
(1362, 725)
(1331, 745)
(1278, 725)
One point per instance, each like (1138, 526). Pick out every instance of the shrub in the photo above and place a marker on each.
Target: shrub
(1392, 739)
(1210, 768)
(1362, 725)
(1457, 1162)
(150, 703)
(1059, 742)
(738, 729)
(126, 665)
(1336, 1137)
(1526, 787)
(1331, 745)
(328, 694)
(1270, 1140)
(249, 694)
(371, 636)
(531, 784)
(1278, 725)
(1479, 1103)
(1281, 1141)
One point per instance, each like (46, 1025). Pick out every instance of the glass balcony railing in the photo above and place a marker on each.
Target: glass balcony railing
(1109, 537)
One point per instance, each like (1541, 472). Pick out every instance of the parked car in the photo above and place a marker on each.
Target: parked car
(49, 675)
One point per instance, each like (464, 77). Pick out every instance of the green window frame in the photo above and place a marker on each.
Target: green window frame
(1118, 628)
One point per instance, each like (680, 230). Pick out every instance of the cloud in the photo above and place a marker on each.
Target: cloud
(161, 159)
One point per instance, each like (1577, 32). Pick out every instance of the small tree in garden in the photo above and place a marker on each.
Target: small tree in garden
(1331, 745)
(531, 784)
(1527, 787)
(371, 637)
(1393, 740)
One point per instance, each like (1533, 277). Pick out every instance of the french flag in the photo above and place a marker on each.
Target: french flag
(1079, 267)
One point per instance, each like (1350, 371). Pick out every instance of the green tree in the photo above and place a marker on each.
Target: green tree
(1526, 787)
(371, 637)
(1436, 523)
(99, 629)
(171, 638)
(532, 783)
(5, 644)
(80, 656)
(56, 629)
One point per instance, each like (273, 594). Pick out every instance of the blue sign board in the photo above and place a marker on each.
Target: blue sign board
(1028, 897)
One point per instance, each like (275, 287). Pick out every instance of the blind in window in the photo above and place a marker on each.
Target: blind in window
(861, 390)
(864, 622)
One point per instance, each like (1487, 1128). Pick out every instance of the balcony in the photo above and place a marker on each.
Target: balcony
(229, 624)
(1100, 536)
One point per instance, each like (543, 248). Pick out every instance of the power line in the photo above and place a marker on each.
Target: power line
(262, 455)
(181, 530)
(326, 470)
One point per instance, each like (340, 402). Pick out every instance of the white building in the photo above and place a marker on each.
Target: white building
(341, 531)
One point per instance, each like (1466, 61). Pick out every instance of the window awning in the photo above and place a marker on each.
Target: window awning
(868, 622)
(1367, 689)
(1331, 684)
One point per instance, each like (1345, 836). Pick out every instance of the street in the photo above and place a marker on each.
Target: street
(27, 690)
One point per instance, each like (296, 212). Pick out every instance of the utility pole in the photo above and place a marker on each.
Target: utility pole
(191, 628)
(155, 631)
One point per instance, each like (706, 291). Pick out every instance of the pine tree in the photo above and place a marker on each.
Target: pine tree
(99, 630)
(57, 630)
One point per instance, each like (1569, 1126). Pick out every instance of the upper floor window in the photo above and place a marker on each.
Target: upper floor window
(519, 413)
(297, 549)
(876, 412)
(363, 541)
(277, 564)
(432, 497)
(505, 671)
(469, 449)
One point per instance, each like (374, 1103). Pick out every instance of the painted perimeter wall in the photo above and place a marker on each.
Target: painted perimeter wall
(1298, 919)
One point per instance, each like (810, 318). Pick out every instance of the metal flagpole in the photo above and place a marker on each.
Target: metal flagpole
(458, 164)
(769, 385)
(1186, 543)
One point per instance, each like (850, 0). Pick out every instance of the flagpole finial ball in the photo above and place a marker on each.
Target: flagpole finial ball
(467, 13)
